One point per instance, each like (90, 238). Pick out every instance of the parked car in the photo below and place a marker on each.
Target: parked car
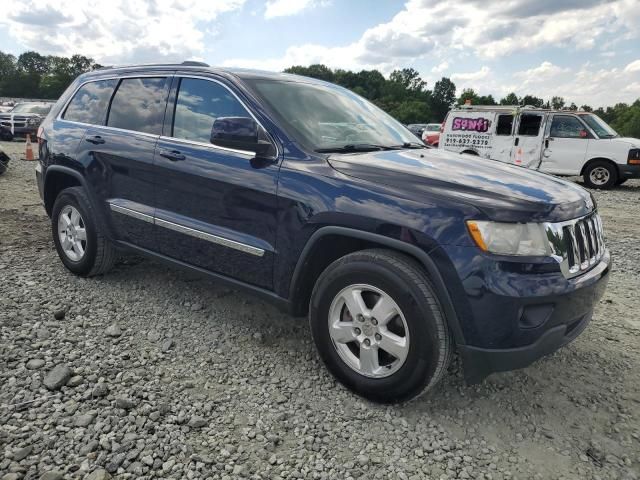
(560, 142)
(4, 161)
(313, 198)
(431, 134)
(417, 128)
(23, 119)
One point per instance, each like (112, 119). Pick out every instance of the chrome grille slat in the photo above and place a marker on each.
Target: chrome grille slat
(577, 244)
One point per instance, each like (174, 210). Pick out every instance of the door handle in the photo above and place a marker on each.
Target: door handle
(517, 141)
(173, 155)
(95, 139)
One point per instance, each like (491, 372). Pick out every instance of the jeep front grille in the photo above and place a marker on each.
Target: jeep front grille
(577, 244)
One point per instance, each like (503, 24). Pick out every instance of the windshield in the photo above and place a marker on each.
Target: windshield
(325, 116)
(31, 108)
(599, 126)
(433, 127)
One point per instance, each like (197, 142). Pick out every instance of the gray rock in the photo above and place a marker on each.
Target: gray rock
(167, 345)
(125, 403)
(59, 314)
(12, 476)
(52, 475)
(115, 462)
(35, 364)
(113, 331)
(100, 390)
(22, 453)
(197, 422)
(75, 381)
(84, 420)
(99, 474)
(58, 377)
(153, 336)
(92, 446)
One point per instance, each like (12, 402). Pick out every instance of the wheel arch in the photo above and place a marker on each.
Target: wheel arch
(327, 244)
(470, 152)
(57, 178)
(599, 159)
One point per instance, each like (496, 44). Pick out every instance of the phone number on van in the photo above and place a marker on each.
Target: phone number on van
(467, 140)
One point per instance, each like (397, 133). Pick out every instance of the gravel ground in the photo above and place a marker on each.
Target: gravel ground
(150, 372)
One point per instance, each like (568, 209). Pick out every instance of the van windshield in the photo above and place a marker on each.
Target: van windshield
(326, 117)
(602, 129)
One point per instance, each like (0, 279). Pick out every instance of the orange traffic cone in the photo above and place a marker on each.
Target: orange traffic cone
(28, 155)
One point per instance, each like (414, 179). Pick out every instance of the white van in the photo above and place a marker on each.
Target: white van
(560, 142)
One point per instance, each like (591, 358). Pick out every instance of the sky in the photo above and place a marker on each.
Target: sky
(587, 51)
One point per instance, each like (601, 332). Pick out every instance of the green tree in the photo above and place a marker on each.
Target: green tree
(557, 103)
(510, 99)
(443, 98)
(532, 100)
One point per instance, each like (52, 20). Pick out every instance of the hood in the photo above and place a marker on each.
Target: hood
(503, 192)
(632, 142)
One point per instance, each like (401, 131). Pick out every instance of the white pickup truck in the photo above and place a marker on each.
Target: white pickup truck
(559, 142)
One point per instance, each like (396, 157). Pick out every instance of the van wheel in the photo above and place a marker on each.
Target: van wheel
(470, 152)
(600, 175)
(78, 238)
(378, 326)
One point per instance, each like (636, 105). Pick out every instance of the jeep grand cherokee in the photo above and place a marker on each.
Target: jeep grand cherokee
(313, 198)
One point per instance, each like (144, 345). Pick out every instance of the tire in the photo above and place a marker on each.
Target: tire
(470, 152)
(600, 175)
(98, 254)
(6, 135)
(420, 326)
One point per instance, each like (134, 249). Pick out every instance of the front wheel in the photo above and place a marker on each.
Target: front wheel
(378, 326)
(600, 175)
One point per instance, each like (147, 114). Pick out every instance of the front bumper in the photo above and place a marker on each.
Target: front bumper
(629, 171)
(511, 317)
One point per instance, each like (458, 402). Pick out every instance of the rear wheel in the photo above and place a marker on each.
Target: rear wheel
(600, 175)
(379, 327)
(78, 238)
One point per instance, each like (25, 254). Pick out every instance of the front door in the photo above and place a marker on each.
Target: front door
(565, 146)
(118, 156)
(216, 208)
(527, 143)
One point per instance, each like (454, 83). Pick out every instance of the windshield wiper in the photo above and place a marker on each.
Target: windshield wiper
(356, 147)
(411, 145)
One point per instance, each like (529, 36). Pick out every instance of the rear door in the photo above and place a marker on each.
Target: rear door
(118, 156)
(527, 144)
(565, 145)
(502, 139)
(216, 207)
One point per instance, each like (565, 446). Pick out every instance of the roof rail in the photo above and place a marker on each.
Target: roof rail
(193, 63)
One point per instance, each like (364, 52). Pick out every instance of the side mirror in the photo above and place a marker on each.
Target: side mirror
(241, 133)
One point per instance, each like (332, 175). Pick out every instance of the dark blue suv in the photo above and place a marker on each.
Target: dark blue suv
(311, 197)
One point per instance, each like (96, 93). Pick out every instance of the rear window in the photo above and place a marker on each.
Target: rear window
(90, 103)
(139, 105)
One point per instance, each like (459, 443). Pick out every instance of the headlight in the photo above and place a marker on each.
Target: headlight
(33, 121)
(634, 156)
(510, 238)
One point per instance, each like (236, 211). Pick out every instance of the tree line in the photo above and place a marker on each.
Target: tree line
(404, 94)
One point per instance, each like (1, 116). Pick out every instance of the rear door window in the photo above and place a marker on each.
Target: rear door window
(139, 105)
(529, 125)
(90, 103)
(198, 105)
(505, 125)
